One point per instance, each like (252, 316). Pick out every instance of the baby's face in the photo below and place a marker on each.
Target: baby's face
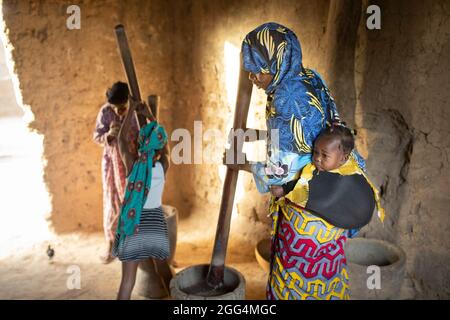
(327, 154)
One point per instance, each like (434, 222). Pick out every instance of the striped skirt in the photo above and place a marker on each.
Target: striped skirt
(151, 241)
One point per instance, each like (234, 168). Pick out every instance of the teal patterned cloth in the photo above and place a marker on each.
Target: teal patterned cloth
(152, 137)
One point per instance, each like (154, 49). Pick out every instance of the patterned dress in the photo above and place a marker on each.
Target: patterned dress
(308, 260)
(113, 170)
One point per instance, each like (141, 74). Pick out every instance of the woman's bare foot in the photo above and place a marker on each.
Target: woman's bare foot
(174, 264)
(107, 257)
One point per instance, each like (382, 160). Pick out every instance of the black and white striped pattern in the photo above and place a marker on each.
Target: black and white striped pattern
(151, 241)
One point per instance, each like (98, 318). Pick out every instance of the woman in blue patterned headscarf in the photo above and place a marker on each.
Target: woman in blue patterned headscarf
(308, 259)
(299, 104)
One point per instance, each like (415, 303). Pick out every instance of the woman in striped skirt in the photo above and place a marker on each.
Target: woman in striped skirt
(142, 230)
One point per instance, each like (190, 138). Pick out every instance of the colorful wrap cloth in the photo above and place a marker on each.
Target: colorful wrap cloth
(152, 137)
(300, 195)
(299, 104)
(308, 259)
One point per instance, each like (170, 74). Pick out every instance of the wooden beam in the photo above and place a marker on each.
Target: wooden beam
(127, 61)
(217, 267)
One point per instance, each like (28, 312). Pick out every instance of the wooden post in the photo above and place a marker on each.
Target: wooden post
(128, 65)
(217, 266)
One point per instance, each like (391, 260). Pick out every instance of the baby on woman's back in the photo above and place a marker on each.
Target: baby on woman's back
(333, 186)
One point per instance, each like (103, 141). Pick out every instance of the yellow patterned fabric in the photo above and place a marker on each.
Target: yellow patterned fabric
(308, 260)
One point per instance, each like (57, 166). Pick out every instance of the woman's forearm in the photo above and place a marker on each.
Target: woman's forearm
(127, 157)
(165, 158)
(102, 126)
(126, 125)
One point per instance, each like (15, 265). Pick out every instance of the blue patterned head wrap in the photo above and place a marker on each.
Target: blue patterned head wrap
(152, 137)
(272, 48)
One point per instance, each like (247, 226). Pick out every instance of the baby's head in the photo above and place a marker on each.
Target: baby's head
(333, 147)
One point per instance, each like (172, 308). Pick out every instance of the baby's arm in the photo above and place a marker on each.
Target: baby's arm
(281, 191)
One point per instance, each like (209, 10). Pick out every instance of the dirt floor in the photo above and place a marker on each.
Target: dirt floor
(28, 273)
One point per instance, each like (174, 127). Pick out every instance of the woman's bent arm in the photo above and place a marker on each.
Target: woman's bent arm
(128, 157)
